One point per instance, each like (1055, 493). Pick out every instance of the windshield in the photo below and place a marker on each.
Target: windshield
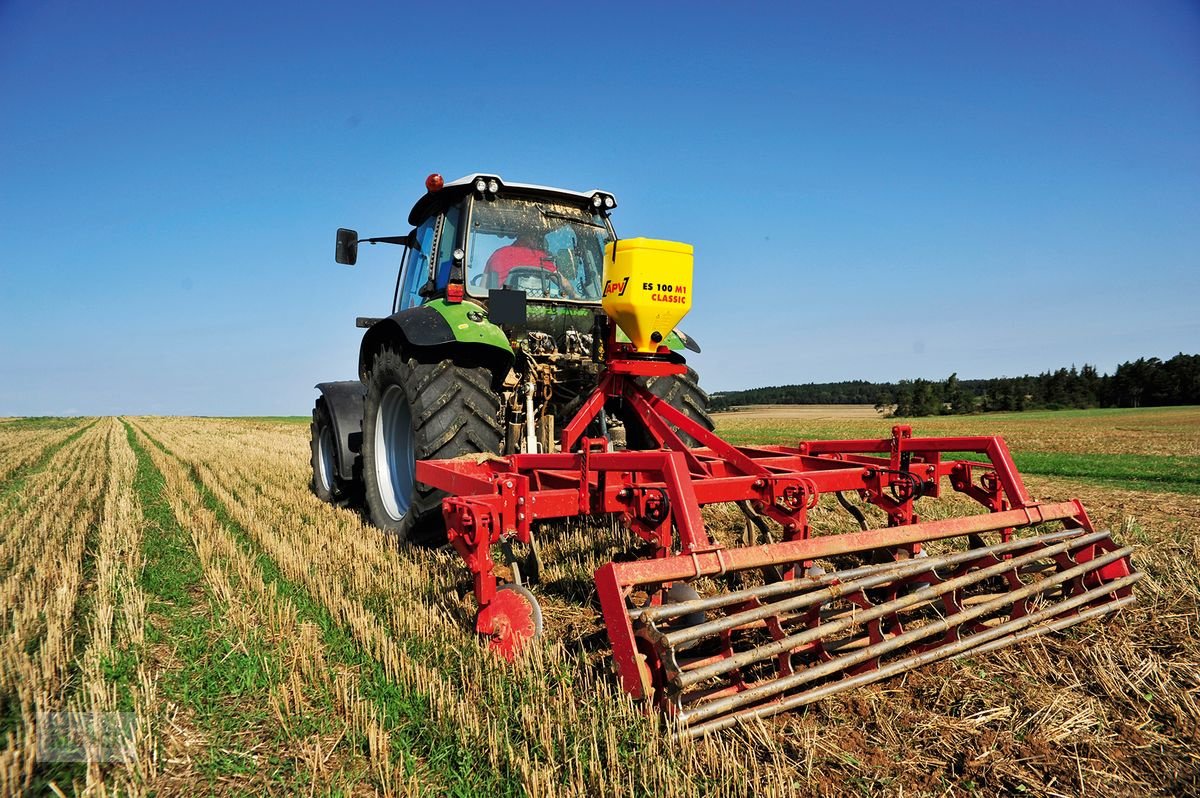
(548, 250)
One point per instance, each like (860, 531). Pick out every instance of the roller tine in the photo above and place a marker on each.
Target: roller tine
(960, 649)
(841, 663)
(682, 637)
(923, 596)
(772, 590)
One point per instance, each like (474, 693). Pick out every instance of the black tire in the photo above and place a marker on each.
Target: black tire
(682, 392)
(436, 411)
(326, 482)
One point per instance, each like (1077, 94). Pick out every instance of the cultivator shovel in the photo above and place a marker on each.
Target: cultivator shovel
(716, 634)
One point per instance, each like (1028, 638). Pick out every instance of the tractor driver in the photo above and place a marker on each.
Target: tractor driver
(526, 251)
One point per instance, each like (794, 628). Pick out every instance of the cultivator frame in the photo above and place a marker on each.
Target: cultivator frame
(658, 494)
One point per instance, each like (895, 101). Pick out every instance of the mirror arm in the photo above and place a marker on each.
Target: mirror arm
(404, 241)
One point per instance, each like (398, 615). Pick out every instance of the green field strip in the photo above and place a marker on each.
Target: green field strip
(60, 773)
(509, 694)
(405, 713)
(42, 422)
(1130, 471)
(69, 772)
(1143, 472)
(223, 679)
(16, 480)
(1092, 413)
(85, 602)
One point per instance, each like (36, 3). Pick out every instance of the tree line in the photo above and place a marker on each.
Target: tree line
(1145, 382)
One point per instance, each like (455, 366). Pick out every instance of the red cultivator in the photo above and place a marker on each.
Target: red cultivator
(723, 634)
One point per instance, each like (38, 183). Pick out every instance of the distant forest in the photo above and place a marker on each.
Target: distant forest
(1145, 382)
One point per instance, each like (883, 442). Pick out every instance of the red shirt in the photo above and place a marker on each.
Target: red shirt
(510, 257)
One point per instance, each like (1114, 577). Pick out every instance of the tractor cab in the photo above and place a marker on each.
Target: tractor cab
(479, 234)
(551, 250)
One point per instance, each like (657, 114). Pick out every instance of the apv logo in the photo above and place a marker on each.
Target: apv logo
(611, 287)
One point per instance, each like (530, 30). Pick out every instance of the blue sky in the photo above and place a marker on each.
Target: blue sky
(874, 190)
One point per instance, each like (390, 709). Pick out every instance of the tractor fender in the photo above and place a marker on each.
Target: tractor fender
(345, 403)
(456, 330)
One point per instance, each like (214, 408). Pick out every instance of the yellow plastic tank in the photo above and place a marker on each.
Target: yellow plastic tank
(647, 288)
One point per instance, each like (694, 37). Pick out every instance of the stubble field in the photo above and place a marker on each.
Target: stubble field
(180, 570)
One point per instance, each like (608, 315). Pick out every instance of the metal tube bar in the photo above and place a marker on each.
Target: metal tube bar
(733, 620)
(669, 569)
(963, 646)
(792, 586)
(1056, 626)
(664, 611)
(923, 596)
(954, 651)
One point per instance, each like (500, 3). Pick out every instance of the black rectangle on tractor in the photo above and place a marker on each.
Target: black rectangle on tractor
(506, 306)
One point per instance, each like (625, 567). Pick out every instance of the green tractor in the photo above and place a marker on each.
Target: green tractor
(493, 341)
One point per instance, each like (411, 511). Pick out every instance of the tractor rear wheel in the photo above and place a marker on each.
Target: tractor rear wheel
(682, 392)
(421, 411)
(327, 483)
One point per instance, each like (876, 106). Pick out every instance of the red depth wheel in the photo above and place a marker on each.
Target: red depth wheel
(516, 620)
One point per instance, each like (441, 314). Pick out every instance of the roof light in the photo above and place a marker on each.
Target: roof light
(597, 200)
(493, 185)
(434, 182)
(609, 202)
(480, 185)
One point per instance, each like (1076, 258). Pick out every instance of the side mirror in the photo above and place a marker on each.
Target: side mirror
(346, 251)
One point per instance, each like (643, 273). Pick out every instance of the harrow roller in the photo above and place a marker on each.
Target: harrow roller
(1000, 636)
(799, 659)
(785, 611)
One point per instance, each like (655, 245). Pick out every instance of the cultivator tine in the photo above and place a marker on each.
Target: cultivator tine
(903, 607)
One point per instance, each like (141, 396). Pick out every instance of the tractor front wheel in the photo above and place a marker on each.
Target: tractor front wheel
(421, 411)
(327, 484)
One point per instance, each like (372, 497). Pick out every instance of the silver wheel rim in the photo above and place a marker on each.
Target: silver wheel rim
(395, 461)
(325, 469)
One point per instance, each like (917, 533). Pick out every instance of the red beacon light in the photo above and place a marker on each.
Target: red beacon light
(434, 182)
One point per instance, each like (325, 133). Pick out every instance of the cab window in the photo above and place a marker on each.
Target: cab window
(549, 250)
(445, 253)
(416, 271)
